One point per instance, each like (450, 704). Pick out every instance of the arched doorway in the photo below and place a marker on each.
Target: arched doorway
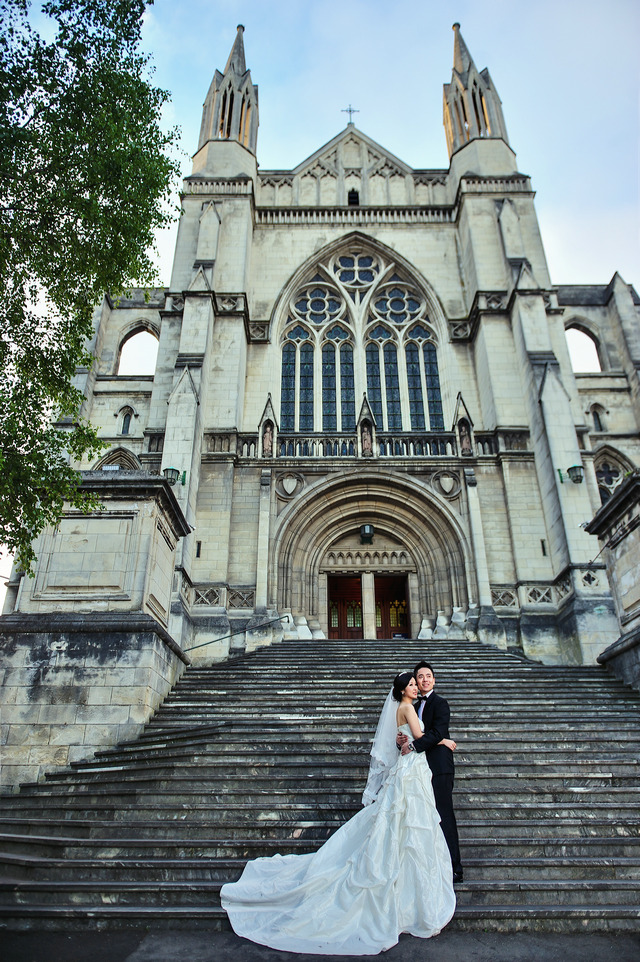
(417, 564)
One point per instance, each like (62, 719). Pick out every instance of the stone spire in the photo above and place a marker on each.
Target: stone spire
(472, 107)
(230, 110)
(236, 57)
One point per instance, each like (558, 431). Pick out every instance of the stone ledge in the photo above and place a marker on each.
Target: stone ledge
(32, 624)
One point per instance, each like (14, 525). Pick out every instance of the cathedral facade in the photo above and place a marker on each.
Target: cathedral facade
(364, 405)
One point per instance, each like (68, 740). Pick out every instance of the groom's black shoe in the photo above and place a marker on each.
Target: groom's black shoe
(458, 877)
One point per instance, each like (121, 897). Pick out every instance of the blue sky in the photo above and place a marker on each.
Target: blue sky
(567, 73)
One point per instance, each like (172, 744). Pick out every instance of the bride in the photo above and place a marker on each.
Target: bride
(385, 871)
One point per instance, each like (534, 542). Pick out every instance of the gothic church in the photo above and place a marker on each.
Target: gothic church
(363, 421)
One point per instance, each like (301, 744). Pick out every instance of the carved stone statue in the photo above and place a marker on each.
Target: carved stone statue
(267, 440)
(465, 439)
(367, 445)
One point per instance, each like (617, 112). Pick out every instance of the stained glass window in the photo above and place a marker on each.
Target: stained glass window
(354, 614)
(356, 270)
(374, 392)
(329, 419)
(397, 304)
(318, 305)
(414, 383)
(288, 400)
(306, 387)
(347, 391)
(392, 384)
(333, 614)
(434, 399)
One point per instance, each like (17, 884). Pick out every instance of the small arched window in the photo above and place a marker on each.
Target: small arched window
(138, 354)
(583, 351)
(126, 423)
(597, 414)
(609, 476)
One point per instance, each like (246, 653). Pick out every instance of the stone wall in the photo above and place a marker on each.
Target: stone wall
(72, 684)
(617, 525)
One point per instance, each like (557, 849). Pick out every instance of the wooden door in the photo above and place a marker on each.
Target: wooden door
(345, 608)
(392, 610)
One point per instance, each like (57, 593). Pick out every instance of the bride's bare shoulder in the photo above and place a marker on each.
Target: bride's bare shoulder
(404, 713)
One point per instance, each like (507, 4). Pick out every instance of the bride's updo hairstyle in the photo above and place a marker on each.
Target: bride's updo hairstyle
(400, 682)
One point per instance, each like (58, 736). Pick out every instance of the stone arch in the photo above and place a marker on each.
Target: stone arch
(610, 466)
(592, 331)
(404, 509)
(131, 330)
(119, 458)
(390, 258)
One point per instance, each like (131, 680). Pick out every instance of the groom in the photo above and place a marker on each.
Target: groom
(434, 712)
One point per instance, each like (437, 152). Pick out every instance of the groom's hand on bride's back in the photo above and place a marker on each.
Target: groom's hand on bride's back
(401, 740)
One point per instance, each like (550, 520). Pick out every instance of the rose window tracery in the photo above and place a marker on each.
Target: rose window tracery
(318, 305)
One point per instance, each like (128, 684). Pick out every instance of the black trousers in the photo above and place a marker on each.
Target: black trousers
(442, 791)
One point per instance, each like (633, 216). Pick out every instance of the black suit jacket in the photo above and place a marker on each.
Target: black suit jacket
(435, 718)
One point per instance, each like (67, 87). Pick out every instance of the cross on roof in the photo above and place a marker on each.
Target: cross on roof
(350, 110)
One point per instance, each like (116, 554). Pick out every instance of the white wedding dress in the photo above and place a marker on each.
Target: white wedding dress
(385, 871)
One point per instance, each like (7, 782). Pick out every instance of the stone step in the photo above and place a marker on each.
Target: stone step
(340, 765)
(547, 803)
(183, 791)
(567, 805)
(255, 822)
(203, 893)
(278, 751)
(181, 816)
(156, 870)
(297, 840)
(503, 918)
(175, 740)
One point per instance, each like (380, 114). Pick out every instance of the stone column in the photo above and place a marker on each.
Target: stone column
(263, 540)
(489, 626)
(368, 604)
(477, 537)
(414, 604)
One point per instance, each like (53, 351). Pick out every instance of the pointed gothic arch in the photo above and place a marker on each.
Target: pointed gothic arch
(611, 467)
(423, 525)
(380, 305)
(118, 457)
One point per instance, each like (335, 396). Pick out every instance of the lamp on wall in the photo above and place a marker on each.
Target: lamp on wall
(366, 534)
(574, 473)
(172, 476)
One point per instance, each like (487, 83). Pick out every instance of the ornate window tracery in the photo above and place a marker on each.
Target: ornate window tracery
(358, 326)
(609, 476)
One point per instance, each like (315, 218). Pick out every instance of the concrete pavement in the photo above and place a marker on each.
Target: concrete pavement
(213, 946)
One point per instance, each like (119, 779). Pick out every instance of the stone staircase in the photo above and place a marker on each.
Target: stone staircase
(269, 753)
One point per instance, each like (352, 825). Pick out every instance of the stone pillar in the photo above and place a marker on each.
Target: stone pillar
(477, 537)
(489, 627)
(368, 604)
(414, 603)
(263, 540)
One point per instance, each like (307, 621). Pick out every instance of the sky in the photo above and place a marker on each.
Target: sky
(567, 72)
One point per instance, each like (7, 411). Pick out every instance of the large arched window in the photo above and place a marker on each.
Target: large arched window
(583, 351)
(359, 326)
(138, 353)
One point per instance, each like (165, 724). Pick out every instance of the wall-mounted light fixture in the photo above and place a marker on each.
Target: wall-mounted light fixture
(172, 476)
(366, 534)
(574, 473)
